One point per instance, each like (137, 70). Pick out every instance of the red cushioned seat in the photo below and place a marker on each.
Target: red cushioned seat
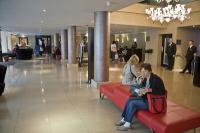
(107, 89)
(109, 86)
(120, 96)
(177, 119)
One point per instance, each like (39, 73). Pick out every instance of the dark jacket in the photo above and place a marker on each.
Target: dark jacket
(171, 50)
(190, 52)
(156, 84)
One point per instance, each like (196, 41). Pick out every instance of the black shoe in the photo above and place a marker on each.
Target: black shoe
(181, 72)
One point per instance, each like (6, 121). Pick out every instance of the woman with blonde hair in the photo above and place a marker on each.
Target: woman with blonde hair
(130, 71)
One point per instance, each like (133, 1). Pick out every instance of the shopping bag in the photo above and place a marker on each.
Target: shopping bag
(157, 103)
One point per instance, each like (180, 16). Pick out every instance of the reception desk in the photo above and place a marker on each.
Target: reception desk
(196, 78)
(24, 53)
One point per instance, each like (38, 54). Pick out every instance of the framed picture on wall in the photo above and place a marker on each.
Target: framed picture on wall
(23, 41)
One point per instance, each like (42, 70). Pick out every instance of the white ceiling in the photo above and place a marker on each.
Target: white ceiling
(26, 16)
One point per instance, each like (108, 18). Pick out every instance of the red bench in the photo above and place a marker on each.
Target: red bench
(177, 119)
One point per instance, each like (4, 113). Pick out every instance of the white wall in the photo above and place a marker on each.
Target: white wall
(155, 44)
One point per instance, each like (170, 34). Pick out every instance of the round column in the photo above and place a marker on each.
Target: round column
(64, 44)
(9, 41)
(72, 45)
(4, 46)
(101, 46)
(56, 40)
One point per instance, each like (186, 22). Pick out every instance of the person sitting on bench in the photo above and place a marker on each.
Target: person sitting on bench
(151, 84)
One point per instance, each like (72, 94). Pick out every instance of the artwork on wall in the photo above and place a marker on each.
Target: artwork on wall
(23, 41)
(43, 45)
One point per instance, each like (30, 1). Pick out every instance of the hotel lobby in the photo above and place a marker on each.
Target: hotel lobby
(47, 93)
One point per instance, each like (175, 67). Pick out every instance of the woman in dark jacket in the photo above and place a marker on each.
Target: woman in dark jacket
(151, 84)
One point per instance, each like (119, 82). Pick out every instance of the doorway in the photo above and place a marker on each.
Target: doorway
(165, 40)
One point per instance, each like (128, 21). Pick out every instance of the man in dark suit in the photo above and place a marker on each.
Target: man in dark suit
(191, 52)
(171, 52)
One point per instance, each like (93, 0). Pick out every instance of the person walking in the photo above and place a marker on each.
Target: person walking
(191, 52)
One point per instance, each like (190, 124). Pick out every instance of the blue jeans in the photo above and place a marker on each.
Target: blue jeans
(132, 105)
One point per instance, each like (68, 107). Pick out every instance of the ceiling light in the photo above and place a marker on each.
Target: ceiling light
(168, 1)
(107, 3)
(44, 10)
(169, 13)
(23, 35)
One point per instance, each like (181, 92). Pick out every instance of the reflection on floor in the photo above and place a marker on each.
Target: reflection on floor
(50, 97)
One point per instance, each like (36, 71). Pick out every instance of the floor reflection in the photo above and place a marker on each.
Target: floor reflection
(45, 96)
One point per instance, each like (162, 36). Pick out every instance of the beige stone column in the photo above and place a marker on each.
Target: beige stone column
(101, 46)
(72, 45)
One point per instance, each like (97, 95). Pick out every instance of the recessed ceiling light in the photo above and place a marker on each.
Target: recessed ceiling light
(107, 3)
(44, 10)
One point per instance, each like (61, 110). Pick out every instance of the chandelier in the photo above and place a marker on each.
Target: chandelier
(168, 13)
(168, 1)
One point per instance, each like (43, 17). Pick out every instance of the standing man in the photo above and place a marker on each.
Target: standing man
(113, 48)
(134, 47)
(191, 52)
(171, 52)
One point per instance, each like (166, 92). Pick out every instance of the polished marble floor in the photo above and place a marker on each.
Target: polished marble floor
(44, 96)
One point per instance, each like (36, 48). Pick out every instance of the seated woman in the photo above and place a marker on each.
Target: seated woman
(129, 71)
(151, 84)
